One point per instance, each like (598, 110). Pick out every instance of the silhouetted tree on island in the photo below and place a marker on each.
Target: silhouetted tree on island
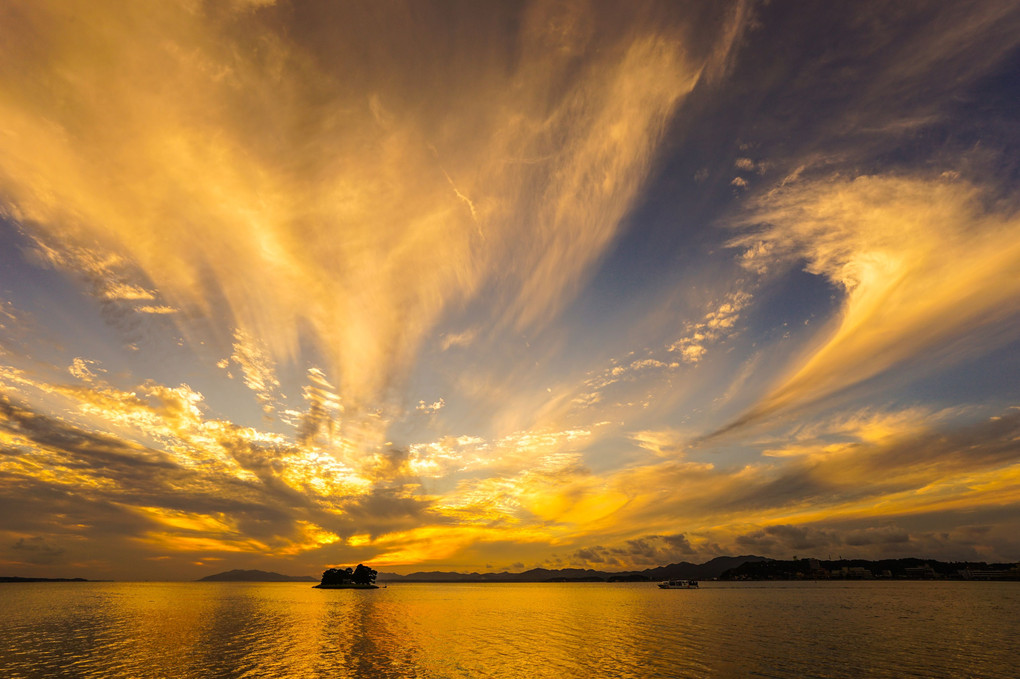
(362, 576)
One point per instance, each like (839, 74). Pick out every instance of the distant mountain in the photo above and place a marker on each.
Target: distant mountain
(676, 571)
(705, 571)
(255, 576)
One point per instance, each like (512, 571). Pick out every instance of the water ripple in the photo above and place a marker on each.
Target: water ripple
(628, 631)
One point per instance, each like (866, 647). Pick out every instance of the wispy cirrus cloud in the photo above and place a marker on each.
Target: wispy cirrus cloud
(212, 184)
(921, 261)
(258, 368)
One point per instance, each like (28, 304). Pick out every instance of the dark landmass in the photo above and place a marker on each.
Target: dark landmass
(677, 571)
(745, 568)
(709, 570)
(629, 577)
(12, 578)
(862, 569)
(255, 576)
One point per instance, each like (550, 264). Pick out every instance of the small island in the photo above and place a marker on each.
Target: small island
(361, 577)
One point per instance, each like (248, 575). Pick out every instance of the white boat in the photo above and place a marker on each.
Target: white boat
(679, 584)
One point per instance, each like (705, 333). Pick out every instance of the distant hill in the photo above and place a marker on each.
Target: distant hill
(704, 571)
(14, 578)
(255, 576)
(676, 571)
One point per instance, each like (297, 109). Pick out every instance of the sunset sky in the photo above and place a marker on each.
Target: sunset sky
(487, 286)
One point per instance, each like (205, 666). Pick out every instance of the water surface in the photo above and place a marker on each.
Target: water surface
(811, 629)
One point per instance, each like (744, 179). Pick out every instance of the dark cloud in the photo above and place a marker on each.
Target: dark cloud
(314, 420)
(881, 535)
(794, 484)
(897, 69)
(37, 550)
(651, 550)
(593, 555)
(100, 477)
(389, 466)
(101, 453)
(876, 469)
(907, 536)
(387, 509)
(775, 539)
(267, 509)
(265, 461)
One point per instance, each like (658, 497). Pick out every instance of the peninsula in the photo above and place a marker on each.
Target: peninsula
(683, 570)
(14, 578)
(863, 569)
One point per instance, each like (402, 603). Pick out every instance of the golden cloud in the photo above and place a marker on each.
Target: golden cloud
(212, 160)
(921, 262)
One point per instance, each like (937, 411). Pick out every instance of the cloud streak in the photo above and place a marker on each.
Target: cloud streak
(189, 145)
(921, 263)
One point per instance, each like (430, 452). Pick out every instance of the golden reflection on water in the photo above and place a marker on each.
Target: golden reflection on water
(513, 630)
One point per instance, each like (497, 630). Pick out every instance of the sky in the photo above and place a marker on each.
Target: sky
(503, 285)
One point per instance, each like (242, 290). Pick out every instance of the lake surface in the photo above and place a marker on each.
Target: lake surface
(811, 629)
